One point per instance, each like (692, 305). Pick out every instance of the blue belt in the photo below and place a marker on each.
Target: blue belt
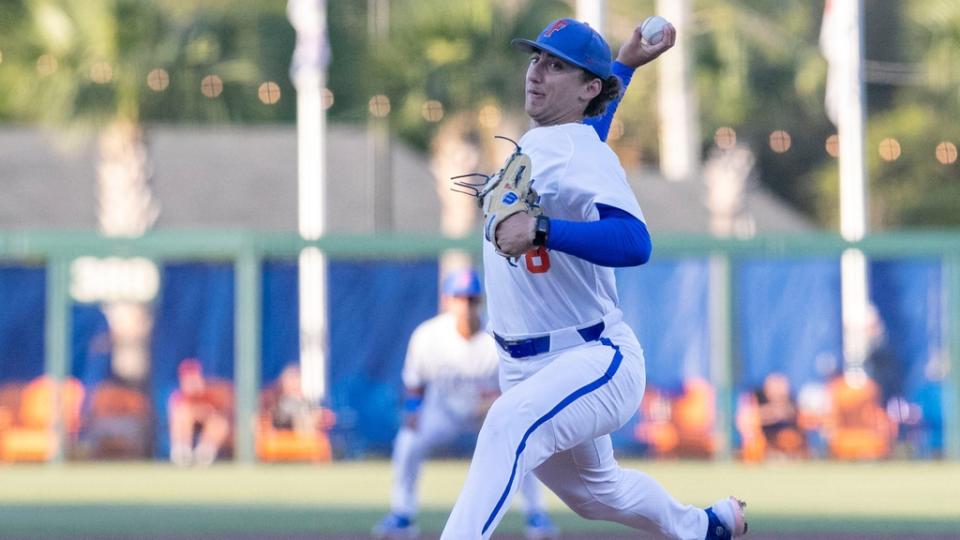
(521, 348)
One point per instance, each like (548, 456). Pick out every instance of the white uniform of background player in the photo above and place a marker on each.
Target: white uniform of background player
(451, 376)
(571, 370)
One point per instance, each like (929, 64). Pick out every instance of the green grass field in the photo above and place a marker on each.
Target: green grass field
(152, 500)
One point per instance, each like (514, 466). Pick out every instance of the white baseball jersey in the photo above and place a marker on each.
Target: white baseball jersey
(558, 407)
(573, 171)
(456, 371)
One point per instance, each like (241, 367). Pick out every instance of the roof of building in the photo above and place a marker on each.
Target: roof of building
(246, 177)
(681, 207)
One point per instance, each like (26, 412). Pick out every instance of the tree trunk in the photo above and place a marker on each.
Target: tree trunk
(126, 203)
(461, 146)
(126, 207)
(455, 152)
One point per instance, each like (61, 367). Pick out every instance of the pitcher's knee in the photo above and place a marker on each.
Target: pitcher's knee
(590, 509)
(597, 501)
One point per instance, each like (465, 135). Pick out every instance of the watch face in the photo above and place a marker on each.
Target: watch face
(541, 230)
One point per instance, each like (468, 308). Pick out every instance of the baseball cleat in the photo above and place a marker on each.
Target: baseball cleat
(726, 519)
(395, 527)
(539, 527)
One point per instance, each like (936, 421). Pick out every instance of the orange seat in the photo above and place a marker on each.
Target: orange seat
(290, 445)
(682, 426)
(9, 404)
(32, 436)
(273, 444)
(656, 427)
(111, 399)
(859, 427)
(753, 446)
(113, 405)
(27, 444)
(695, 416)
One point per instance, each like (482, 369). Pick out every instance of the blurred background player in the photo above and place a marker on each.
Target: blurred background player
(450, 376)
(200, 412)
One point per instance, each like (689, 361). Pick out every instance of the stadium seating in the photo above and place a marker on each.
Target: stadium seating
(29, 415)
(858, 427)
(681, 426)
(117, 425)
(753, 445)
(284, 445)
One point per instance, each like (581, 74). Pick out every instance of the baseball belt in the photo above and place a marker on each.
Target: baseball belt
(532, 346)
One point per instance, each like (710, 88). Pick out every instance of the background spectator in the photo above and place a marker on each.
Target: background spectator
(292, 410)
(197, 412)
(779, 418)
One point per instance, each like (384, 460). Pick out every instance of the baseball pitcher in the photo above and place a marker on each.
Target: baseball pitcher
(571, 370)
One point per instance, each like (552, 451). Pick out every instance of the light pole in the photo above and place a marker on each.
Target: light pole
(842, 43)
(308, 71)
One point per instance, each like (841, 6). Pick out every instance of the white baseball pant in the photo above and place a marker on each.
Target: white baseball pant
(554, 418)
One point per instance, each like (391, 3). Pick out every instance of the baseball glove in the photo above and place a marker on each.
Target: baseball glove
(504, 193)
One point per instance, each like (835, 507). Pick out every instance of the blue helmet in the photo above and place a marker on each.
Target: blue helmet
(462, 283)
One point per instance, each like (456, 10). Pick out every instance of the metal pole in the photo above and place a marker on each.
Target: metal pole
(721, 350)
(378, 139)
(593, 12)
(308, 72)
(314, 342)
(378, 129)
(247, 360)
(950, 400)
(677, 98)
(851, 120)
(57, 326)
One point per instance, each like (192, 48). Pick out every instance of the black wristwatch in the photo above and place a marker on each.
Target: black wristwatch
(541, 230)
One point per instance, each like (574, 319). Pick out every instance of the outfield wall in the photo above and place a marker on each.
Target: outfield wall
(778, 297)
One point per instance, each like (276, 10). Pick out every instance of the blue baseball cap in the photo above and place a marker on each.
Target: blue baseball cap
(462, 283)
(574, 42)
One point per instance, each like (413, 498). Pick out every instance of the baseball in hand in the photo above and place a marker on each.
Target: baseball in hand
(652, 29)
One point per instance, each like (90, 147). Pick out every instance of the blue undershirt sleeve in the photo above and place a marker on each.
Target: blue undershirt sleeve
(616, 239)
(602, 122)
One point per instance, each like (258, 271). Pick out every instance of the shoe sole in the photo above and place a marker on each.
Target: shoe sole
(739, 517)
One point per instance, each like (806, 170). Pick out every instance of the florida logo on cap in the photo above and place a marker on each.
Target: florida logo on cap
(464, 282)
(560, 24)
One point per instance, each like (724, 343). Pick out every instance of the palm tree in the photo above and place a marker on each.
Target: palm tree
(96, 67)
(759, 69)
(454, 82)
(913, 75)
